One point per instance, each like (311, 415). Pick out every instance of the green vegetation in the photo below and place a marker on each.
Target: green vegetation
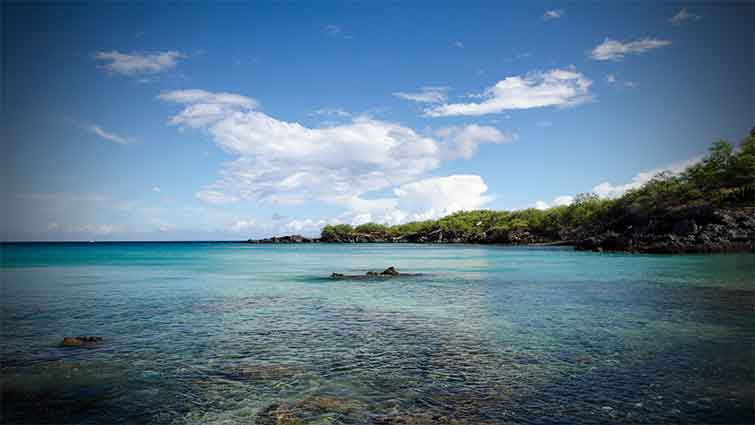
(724, 177)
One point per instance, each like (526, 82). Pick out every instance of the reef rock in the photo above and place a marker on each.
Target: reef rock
(81, 341)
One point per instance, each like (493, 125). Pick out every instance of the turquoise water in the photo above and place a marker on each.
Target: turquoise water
(216, 333)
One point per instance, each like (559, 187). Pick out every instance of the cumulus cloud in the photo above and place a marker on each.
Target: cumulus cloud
(610, 78)
(425, 95)
(610, 190)
(139, 63)
(307, 226)
(557, 202)
(683, 16)
(439, 196)
(557, 87)
(552, 14)
(286, 162)
(462, 141)
(110, 137)
(615, 50)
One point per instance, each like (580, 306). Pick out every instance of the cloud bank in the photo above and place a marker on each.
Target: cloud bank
(281, 162)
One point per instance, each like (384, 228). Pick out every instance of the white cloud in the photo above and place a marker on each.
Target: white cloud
(458, 44)
(286, 162)
(462, 141)
(424, 199)
(335, 112)
(139, 63)
(156, 189)
(195, 96)
(425, 95)
(215, 197)
(557, 87)
(615, 50)
(557, 202)
(439, 196)
(609, 190)
(683, 16)
(612, 79)
(111, 137)
(552, 14)
(307, 226)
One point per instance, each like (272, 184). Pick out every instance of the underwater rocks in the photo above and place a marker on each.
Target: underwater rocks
(263, 372)
(690, 230)
(81, 341)
(298, 412)
(423, 419)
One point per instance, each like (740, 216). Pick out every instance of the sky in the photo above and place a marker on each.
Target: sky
(210, 121)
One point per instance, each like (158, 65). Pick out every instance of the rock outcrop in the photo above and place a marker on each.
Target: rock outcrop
(387, 273)
(687, 230)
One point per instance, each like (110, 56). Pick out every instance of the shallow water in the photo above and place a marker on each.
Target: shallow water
(202, 333)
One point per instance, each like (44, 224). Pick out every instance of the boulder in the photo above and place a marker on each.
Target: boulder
(390, 271)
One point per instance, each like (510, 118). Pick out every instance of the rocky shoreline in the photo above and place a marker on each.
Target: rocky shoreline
(694, 229)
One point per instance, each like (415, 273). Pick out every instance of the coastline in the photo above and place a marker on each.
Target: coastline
(692, 230)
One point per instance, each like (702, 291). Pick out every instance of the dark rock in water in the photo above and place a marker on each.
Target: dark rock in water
(81, 341)
(387, 273)
(390, 271)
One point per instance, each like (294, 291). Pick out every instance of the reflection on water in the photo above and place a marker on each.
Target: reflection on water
(202, 333)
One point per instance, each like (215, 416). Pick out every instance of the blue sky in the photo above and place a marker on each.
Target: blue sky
(207, 121)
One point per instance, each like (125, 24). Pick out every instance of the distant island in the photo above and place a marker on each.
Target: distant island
(709, 207)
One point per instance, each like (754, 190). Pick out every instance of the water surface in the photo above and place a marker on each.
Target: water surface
(213, 333)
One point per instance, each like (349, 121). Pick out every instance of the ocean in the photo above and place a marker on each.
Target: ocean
(226, 333)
